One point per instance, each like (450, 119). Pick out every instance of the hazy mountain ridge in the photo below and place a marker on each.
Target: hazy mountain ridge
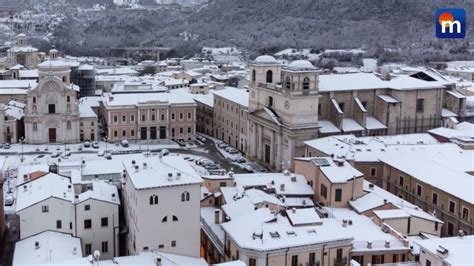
(259, 26)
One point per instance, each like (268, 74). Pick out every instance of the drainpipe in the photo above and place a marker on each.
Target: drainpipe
(286, 256)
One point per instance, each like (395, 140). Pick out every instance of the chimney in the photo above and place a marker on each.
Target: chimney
(282, 187)
(442, 251)
(25, 188)
(170, 176)
(136, 168)
(178, 175)
(69, 188)
(158, 261)
(369, 244)
(387, 244)
(74, 251)
(344, 223)
(217, 215)
(26, 177)
(113, 196)
(144, 165)
(293, 210)
(133, 162)
(37, 245)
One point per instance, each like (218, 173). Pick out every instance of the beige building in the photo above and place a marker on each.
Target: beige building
(304, 105)
(231, 117)
(283, 112)
(149, 116)
(22, 54)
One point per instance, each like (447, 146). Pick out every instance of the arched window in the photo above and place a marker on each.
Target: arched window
(68, 124)
(185, 196)
(165, 219)
(35, 126)
(34, 99)
(151, 200)
(306, 84)
(269, 76)
(156, 199)
(254, 75)
(175, 219)
(34, 109)
(287, 83)
(270, 101)
(68, 98)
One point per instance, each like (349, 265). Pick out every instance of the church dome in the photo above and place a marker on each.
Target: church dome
(301, 65)
(265, 59)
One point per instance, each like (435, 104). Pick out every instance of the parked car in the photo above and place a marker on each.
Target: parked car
(1, 145)
(125, 143)
(56, 154)
(211, 166)
(95, 145)
(87, 144)
(239, 159)
(181, 142)
(233, 151)
(9, 200)
(165, 152)
(101, 153)
(248, 168)
(108, 156)
(6, 146)
(222, 145)
(201, 138)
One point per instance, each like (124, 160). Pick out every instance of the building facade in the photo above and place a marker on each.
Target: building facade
(52, 113)
(22, 54)
(231, 117)
(283, 112)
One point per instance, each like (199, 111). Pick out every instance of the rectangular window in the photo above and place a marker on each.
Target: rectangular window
(401, 181)
(465, 213)
(161, 246)
(87, 207)
(420, 105)
(105, 247)
(115, 118)
(173, 243)
(88, 249)
(323, 191)
(51, 108)
(428, 263)
(452, 206)
(294, 260)
(222, 184)
(88, 224)
(339, 254)
(132, 118)
(418, 190)
(162, 117)
(338, 195)
(143, 117)
(373, 171)
(104, 221)
(59, 224)
(252, 262)
(434, 199)
(312, 258)
(115, 133)
(45, 208)
(124, 118)
(189, 115)
(341, 106)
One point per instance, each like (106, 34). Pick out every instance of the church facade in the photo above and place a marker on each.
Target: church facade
(52, 113)
(283, 112)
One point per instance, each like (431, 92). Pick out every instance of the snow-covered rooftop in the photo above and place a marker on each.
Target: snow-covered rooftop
(135, 99)
(239, 96)
(53, 247)
(283, 183)
(459, 249)
(40, 189)
(156, 172)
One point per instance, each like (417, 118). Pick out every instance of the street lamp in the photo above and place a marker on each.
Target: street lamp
(22, 140)
(105, 144)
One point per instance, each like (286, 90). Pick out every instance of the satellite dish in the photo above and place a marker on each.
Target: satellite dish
(97, 254)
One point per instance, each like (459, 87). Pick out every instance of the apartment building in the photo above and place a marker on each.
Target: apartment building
(434, 176)
(161, 198)
(49, 203)
(446, 251)
(231, 117)
(149, 116)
